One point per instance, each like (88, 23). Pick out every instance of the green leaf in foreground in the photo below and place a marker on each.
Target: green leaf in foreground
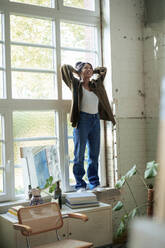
(151, 170)
(120, 183)
(133, 213)
(118, 206)
(121, 228)
(131, 172)
(52, 188)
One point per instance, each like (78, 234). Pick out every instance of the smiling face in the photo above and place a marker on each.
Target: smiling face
(87, 71)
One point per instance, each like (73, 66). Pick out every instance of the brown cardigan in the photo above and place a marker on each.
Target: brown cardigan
(96, 85)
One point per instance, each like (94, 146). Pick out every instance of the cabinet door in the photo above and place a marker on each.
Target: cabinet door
(98, 228)
(7, 233)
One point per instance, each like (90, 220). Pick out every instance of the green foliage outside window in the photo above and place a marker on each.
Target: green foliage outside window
(84, 4)
(45, 3)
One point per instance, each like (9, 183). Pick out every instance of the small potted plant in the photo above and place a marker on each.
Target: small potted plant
(54, 190)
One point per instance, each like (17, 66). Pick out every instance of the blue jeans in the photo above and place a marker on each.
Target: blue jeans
(86, 133)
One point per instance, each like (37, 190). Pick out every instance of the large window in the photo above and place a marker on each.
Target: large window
(44, 3)
(31, 128)
(34, 104)
(33, 58)
(1, 154)
(85, 4)
(1, 57)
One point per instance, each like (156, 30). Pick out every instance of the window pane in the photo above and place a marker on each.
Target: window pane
(31, 57)
(1, 138)
(0, 127)
(1, 85)
(71, 149)
(45, 3)
(80, 36)
(30, 125)
(1, 61)
(1, 161)
(21, 173)
(1, 181)
(0, 26)
(33, 124)
(71, 57)
(83, 4)
(1, 47)
(66, 92)
(33, 85)
(1, 158)
(17, 146)
(19, 182)
(70, 128)
(31, 30)
(72, 180)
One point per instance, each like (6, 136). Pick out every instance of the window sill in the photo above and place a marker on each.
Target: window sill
(4, 206)
(106, 196)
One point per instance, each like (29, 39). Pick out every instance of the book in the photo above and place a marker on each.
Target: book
(12, 216)
(16, 208)
(13, 210)
(82, 197)
(79, 200)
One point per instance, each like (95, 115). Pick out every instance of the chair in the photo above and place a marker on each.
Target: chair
(47, 217)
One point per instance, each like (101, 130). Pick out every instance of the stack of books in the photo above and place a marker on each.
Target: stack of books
(81, 200)
(12, 212)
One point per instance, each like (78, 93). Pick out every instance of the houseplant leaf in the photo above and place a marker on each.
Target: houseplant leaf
(118, 206)
(133, 213)
(150, 164)
(121, 228)
(52, 188)
(151, 170)
(50, 179)
(131, 172)
(46, 185)
(120, 183)
(125, 217)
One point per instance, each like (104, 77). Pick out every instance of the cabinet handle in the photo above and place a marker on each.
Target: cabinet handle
(63, 235)
(70, 233)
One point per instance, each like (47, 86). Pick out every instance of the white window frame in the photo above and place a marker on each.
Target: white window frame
(9, 105)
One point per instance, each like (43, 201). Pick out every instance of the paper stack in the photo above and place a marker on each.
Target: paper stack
(81, 200)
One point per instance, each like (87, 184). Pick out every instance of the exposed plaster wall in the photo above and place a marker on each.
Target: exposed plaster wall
(154, 69)
(155, 11)
(153, 45)
(126, 74)
(134, 52)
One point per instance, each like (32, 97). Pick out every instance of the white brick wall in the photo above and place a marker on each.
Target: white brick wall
(134, 55)
(128, 81)
(126, 76)
(154, 72)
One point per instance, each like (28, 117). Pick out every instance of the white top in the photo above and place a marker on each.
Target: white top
(89, 102)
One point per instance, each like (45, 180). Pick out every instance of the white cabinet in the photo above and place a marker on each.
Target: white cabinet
(98, 228)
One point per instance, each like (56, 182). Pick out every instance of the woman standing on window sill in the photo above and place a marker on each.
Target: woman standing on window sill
(89, 105)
